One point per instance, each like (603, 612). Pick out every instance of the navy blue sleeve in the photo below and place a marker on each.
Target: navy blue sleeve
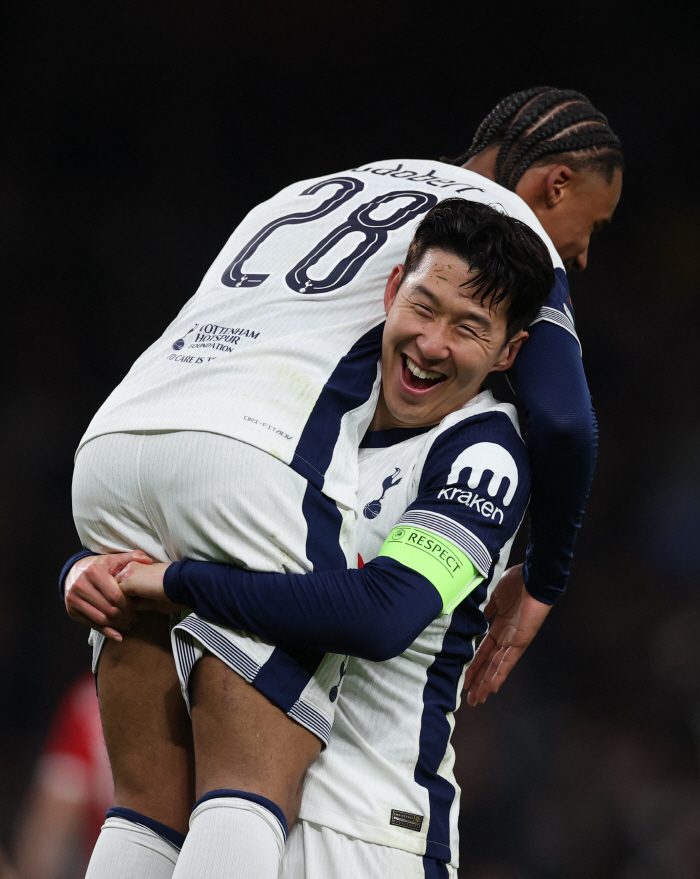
(474, 487)
(84, 553)
(375, 612)
(549, 380)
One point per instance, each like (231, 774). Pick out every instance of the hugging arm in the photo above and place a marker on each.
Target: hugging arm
(549, 380)
(375, 612)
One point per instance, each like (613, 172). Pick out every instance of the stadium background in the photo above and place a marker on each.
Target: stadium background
(136, 136)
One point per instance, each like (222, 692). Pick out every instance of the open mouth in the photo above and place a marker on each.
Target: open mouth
(418, 379)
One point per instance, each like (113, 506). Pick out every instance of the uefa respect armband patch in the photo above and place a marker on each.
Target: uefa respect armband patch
(447, 567)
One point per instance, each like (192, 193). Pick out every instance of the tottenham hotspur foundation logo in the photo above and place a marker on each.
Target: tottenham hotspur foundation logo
(180, 343)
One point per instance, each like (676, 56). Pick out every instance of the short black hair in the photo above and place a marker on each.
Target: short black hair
(510, 261)
(542, 125)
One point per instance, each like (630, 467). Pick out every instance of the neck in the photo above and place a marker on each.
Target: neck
(483, 163)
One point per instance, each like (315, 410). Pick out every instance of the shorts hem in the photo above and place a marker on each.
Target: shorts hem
(187, 652)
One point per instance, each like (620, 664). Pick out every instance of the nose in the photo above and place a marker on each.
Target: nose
(432, 343)
(580, 261)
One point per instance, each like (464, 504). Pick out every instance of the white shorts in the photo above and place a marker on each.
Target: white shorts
(315, 852)
(197, 495)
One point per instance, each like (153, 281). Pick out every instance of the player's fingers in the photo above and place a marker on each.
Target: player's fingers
(483, 686)
(100, 578)
(505, 667)
(478, 687)
(497, 673)
(83, 594)
(83, 612)
(118, 561)
(476, 667)
(477, 663)
(104, 584)
(86, 613)
(112, 634)
(87, 591)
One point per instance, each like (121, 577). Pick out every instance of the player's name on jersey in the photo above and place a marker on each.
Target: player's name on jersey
(428, 177)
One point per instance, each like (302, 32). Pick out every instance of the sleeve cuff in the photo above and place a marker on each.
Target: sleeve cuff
(174, 588)
(543, 592)
(83, 554)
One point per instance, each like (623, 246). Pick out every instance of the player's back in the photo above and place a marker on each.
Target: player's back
(278, 348)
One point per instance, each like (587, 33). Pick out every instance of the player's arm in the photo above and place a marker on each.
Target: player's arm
(441, 550)
(549, 379)
(374, 613)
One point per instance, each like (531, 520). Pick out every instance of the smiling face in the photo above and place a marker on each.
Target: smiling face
(439, 342)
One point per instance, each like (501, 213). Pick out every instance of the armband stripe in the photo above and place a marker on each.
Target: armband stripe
(437, 559)
(445, 527)
(553, 316)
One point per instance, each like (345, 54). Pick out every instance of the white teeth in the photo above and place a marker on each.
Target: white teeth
(422, 373)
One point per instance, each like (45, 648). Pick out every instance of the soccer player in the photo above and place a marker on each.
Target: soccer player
(456, 311)
(573, 199)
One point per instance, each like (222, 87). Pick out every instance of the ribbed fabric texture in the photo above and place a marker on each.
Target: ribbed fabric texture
(190, 494)
(125, 850)
(231, 838)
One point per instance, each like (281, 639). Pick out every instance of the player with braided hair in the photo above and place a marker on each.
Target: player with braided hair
(533, 127)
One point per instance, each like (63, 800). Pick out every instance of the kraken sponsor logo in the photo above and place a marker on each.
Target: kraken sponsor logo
(487, 457)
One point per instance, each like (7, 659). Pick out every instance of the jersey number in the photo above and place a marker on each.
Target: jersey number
(374, 234)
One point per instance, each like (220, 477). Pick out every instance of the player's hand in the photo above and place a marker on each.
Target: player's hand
(518, 617)
(93, 596)
(144, 585)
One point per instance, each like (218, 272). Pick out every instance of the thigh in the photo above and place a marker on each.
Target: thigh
(146, 727)
(244, 742)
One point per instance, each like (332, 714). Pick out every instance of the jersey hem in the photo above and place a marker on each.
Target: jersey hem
(367, 832)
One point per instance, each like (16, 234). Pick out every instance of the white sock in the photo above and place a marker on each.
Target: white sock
(231, 838)
(125, 850)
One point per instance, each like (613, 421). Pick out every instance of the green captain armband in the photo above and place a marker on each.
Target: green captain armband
(447, 567)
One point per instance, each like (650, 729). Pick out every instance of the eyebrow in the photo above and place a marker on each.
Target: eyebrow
(480, 319)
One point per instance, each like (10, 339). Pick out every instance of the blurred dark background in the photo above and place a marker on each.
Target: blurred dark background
(136, 136)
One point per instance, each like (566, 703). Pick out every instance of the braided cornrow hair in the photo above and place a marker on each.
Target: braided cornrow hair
(540, 125)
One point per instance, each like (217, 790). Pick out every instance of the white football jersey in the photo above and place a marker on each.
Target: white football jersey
(278, 348)
(387, 774)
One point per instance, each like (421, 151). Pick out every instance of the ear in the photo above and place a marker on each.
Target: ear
(558, 181)
(510, 351)
(392, 287)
